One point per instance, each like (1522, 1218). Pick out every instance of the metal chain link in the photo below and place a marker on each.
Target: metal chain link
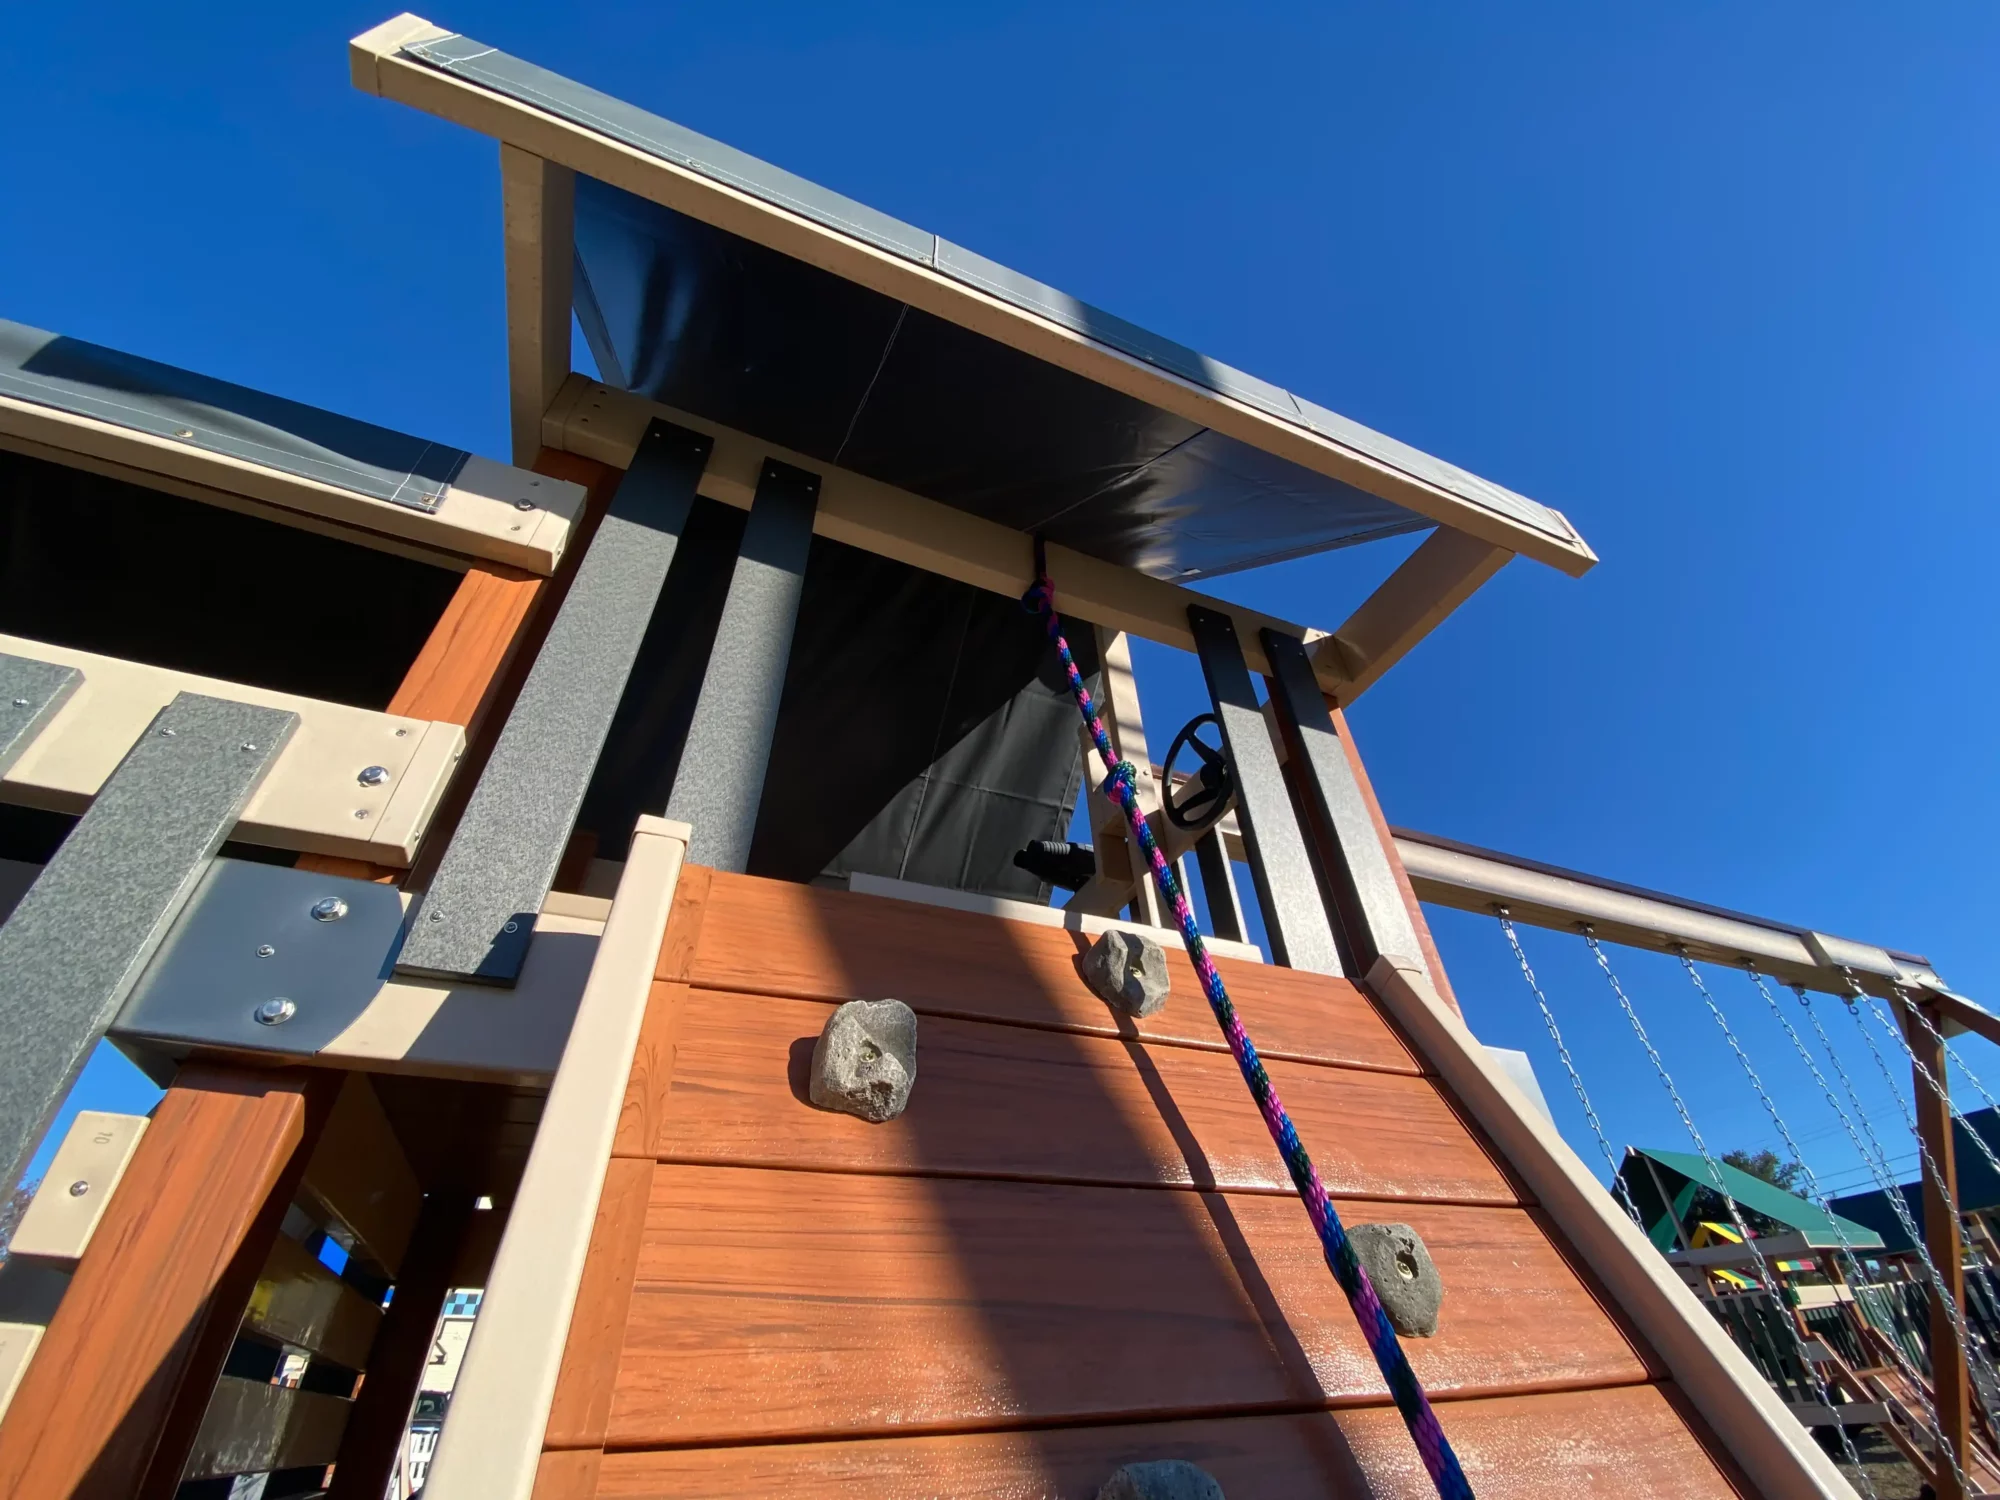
(1569, 1065)
(1855, 1006)
(1771, 1109)
(1764, 1274)
(1871, 1157)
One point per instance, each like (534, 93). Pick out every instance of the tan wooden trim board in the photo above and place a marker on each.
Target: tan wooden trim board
(500, 1407)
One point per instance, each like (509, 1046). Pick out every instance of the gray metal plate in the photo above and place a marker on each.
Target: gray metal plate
(721, 778)
(1365, 888)
(1287, 886)
(88, 925)
(31, 693)
(142, 395)
(477, 918)
(206, 983)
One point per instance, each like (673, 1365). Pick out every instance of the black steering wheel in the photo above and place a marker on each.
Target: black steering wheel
(1210, 790)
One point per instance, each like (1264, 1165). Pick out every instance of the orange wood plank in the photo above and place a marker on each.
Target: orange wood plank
(641, 1118)
(455, 675)
(1627, 1443)
(127, 1361)
(1012, 1101)
(685, 922)
(582, 1402)
(568, 1475)
(814, 943)
(771, 1304)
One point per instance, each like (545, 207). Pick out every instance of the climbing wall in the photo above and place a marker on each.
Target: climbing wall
(1077, 1248)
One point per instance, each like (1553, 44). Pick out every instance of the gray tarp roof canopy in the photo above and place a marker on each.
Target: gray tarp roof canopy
(720, 325)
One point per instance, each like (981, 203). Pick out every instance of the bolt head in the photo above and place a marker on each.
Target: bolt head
(168, 733)
(524, 505)
(275, 1011)
(20, 703)
(511, 927)
(373, 775)
(329, 909)
(246, 745)
(361, 812)
(265, 950)
(78, 1188)
(183, 432)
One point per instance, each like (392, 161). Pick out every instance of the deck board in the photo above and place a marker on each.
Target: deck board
(777, 938)
(1626, 1443)
(996, 1100)
(772, 1304)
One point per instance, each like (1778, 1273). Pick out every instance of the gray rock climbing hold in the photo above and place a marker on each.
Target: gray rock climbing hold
(1128, 972)
(866, 1059)
(1406, 1280)
(1162, 1479)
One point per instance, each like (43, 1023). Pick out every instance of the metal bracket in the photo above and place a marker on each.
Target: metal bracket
(1365, 893)
(1287, 885)
(32, 693)
(478, 916)
(82, 934)
(265, 959)
(720, 783)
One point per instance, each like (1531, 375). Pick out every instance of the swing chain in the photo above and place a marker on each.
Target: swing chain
(1569, 1065)
(1764, 1272)
(1870, 1153)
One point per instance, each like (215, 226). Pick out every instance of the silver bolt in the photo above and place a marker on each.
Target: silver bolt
(20, 703)
(78, 1188)
(402, 734)
(437, 916)
(511, 927)
(168, 733)
(360, 812)
(329, 909)
(246, 745)
(373, 775)
(275, 1011)
(515, 527)
(265, 950)
(524, 505)
(183, 432)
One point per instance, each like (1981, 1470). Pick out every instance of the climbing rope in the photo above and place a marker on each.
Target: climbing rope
(1764, 1274)
(1569, 1066)
(1119, 780)
(1871, 1157)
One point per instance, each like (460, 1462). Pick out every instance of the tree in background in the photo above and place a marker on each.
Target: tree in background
(1768, 1165)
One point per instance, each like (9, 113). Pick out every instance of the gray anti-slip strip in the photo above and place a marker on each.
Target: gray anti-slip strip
(141, 395)
(662, 139)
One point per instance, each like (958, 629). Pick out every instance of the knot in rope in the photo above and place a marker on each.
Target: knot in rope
(1040, 598)
(1122, 782)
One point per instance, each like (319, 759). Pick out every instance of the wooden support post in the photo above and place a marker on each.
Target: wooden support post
(112, 1403)
(1120, 878)
(1950, 1378)
(402, 1348)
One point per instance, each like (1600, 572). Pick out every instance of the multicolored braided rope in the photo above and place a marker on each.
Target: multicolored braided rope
(1409, 1396)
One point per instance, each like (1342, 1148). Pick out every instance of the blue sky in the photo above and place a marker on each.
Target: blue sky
(1716, 282)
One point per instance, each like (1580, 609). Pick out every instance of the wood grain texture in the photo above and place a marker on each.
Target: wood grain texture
(161, 1288)
(810, 942)
(1627, 1443)
(582, 1404)
(642, 1117)
(1012, 1101)
(569, 1474)
(772, 1304)
(454, 675)
(679, 947)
